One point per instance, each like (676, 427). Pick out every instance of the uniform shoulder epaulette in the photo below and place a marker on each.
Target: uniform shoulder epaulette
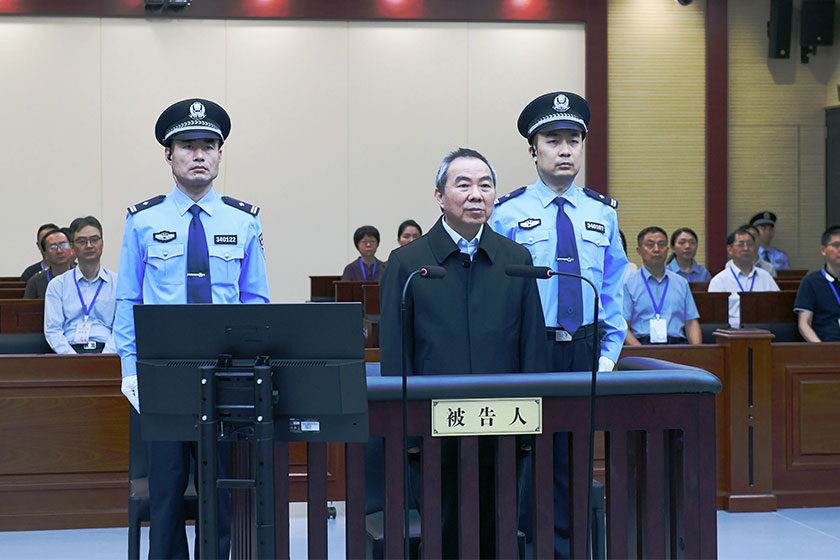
(601, 197)
(239, 205)
(511, 194)
(146, 204)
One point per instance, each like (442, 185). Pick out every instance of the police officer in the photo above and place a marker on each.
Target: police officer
(574, 230)
(765, 223)
(188, 246)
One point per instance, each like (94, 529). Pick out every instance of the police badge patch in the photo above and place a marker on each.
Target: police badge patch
(595, 226)
(164, 236)
(530, 223)
(224, 239)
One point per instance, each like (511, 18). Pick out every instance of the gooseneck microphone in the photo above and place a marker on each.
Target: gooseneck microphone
(432, 273)
(544, 272)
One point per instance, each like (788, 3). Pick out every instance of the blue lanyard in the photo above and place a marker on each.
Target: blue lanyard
(656, 308)
(364, 274)
(741, 288)
(833, 289)
(86, 310)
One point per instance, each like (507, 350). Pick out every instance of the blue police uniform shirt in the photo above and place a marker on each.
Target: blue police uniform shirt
(677, 308)
(530, 220)
(774, 256)
(153, 261)
(63, 309)
(696, 273)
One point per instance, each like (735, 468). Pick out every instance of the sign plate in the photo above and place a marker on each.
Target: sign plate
(487, 417)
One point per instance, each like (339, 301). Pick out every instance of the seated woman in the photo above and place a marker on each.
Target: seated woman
(408, 231)
(684, 247)
(368, 267)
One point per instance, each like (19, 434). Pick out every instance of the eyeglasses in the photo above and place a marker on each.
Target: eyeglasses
(744, 244)
(56, 246)
(835, 245)
(82, 241)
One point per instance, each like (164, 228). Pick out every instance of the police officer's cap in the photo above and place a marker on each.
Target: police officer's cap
(763, 218)
(191, 119)
(560, 109)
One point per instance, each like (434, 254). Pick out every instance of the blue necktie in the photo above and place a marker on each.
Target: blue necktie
(198, 261)
(569, 297)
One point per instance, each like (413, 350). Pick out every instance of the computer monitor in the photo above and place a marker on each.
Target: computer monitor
(315, 350)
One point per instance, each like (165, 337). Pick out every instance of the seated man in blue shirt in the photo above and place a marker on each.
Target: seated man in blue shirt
(79, 304)
(658, 305)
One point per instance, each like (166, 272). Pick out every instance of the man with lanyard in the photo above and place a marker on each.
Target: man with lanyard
(569, 229)
(37, 267)
(189, 246)
(80, 304)
(765, 223)
(658, 305)
(818, 299)
(740, 275)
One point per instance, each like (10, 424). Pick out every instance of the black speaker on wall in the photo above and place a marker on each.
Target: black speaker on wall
(778, 28)
(817, 24)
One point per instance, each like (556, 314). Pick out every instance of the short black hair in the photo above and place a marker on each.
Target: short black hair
(681, 231)
(79, 223)
(363, 231)
(740, 231)
(647, 230)
(42, 228)
(408, 223)
(443, 170)
(65, 231)
(829, 233)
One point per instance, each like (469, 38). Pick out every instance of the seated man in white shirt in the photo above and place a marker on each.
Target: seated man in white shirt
(80, 304)
(740, 275)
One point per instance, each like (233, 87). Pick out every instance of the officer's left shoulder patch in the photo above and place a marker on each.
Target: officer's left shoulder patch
(508, 196)
(239, 205)
(601, 197)
(146, 204)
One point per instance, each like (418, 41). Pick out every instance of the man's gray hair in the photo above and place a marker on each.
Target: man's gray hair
(440, 180)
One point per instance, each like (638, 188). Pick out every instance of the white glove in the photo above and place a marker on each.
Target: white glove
(604, 364)
(129, 389)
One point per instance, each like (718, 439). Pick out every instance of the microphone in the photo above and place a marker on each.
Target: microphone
(528, 271)
(431, 273)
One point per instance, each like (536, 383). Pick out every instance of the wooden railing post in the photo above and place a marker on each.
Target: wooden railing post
(747, 395)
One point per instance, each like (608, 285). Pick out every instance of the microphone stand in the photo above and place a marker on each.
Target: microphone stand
(424, 272)
(544, 272)
(596, 351)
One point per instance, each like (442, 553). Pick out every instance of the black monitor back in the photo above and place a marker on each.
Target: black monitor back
(317, 360)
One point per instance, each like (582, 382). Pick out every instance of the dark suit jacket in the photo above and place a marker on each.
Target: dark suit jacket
(475, 320)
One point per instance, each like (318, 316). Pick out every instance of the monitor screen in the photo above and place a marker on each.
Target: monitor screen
(315, 350)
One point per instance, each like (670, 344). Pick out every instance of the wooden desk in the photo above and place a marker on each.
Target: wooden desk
(321, 288)
(346, 290)
(21, 315)
(12, 284)
(788, 285)
(11, 293)
(793, 273)
(768, 307)
(712, 306)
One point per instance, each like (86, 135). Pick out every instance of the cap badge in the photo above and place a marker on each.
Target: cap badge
(197, 110)
(561, 103)
(767, 215)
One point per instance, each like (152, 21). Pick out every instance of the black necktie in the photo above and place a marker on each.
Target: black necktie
(198, 261)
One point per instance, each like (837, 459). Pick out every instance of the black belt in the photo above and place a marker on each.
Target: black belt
(560, 334)
(89, 348)
(671, 340)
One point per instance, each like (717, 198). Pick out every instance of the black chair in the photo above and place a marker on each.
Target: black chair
(785, 332)
(138, 481)
(24, 343)
(707, 331)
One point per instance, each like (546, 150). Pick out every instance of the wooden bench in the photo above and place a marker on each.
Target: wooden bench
(321, 288)
(21, 315)
(11, 293)
(768, 307)
(712, 306)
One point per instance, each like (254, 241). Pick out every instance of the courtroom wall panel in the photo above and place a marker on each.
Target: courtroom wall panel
(657, 112)
(335, 124)
(777, 132)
